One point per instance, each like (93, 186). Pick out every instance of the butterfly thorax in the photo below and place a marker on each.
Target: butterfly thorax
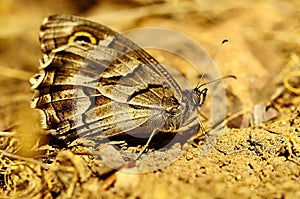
(178, 113)
(191, 101)
(173, 113)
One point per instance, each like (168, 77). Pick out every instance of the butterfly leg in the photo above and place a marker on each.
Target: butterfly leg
(147, 144)
(190, 124)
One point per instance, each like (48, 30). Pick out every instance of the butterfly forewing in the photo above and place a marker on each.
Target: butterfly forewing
(102, 85)
(57, 30)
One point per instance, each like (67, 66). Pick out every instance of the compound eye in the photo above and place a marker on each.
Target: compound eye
(200, 95)
(82, 36)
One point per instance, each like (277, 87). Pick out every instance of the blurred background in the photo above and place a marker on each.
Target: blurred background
(262, 51)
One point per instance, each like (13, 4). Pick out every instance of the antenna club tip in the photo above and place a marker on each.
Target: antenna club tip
(225, 41)
(233, 76)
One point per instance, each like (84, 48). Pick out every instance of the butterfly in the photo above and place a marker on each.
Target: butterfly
(94, 83)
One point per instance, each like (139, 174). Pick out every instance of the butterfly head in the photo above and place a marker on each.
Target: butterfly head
(199, 95)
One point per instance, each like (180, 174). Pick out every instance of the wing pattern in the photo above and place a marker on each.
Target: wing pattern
(93, 82)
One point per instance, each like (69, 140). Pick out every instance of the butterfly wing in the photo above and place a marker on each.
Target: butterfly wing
(57, 31)
(100, 89)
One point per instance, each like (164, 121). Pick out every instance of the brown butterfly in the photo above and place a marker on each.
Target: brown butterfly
(95, 83)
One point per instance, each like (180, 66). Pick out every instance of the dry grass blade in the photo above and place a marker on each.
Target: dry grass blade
(14, 73)
(288, 85)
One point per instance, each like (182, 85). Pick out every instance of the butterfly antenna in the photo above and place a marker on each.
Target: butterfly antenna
(213, 56)
(215, 80)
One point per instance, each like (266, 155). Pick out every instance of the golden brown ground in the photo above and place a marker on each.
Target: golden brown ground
(261, 161)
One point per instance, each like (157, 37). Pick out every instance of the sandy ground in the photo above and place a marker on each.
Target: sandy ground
(257, 154)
